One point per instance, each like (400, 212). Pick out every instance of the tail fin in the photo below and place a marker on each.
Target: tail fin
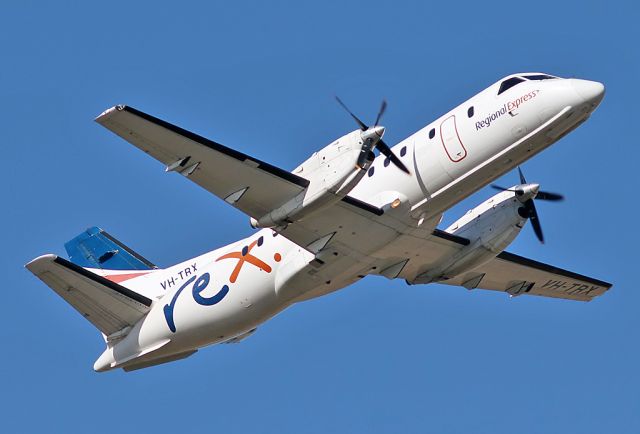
(94, 248)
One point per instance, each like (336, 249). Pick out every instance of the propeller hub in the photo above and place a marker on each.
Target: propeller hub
(373, 134)
(378, 129)
(372, 138)
(527, 191)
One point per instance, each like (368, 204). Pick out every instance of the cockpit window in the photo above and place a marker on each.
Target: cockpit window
(509, 83)
(539, 77)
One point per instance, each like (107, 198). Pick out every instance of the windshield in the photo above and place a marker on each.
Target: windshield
(509, 83)
(539, 77)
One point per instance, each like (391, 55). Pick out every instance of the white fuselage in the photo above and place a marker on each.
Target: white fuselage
(228, 292)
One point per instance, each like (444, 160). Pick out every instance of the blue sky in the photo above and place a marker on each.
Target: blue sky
(378, 357)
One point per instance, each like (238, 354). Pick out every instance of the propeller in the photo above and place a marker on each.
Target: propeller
(526, 193)
(372, 138)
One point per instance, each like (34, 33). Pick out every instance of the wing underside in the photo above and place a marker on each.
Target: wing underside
(517, 275)
(251, 185)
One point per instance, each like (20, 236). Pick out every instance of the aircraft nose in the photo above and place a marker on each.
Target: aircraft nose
(591, 91)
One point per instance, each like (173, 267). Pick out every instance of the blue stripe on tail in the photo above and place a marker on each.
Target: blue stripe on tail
(94, 248)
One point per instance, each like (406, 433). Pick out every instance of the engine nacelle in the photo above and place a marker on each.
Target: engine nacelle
(332, 172)
(491, 227)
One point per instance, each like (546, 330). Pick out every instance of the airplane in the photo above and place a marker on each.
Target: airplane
(343, 214)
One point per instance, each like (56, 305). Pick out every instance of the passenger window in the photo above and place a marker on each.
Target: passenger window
(432, 133)
(371, 170)
(386, 162)
(509, 83)
(403, 151)
(470, 112)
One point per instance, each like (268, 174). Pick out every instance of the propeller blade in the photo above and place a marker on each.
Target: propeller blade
(517, 191)
(547, 195)
(362, 125)
(387, 152)
(383, 107)
(533, 218)
(522, 180)
(497, 187)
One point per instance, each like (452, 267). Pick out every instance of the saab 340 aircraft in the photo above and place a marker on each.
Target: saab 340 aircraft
(339, 216)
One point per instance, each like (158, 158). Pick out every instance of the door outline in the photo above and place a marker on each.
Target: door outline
(444, 145)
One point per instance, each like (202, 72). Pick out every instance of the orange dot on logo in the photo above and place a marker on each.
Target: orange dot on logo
(277, 257)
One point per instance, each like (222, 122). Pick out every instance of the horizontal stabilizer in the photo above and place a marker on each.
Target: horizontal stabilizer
(159, 361)
(94, 248)
(108, 306)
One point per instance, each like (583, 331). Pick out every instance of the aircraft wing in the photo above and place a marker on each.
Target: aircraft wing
(108, 306)
(251, 185)
(517, 275)
(255, 187)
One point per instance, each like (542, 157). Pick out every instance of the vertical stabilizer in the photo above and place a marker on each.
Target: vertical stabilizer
(94, 248)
